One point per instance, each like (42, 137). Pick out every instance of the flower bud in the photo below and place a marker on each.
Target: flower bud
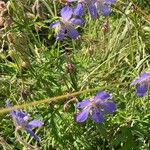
(2, 5)
(63, 1)
(91, 51)
(10, 38)
(105, 27)
(37, 9)
(8, 22)
(2, 22)
(69, 68)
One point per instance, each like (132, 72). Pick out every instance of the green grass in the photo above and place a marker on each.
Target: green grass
(33, 67)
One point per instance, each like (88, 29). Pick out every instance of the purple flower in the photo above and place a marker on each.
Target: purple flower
(21, 120)
(79, 9)
(103, 6)
(96, 107)
(66, 24)
(143, 84)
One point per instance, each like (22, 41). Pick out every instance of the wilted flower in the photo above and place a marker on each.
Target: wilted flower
(21, 120)
(79, 10)
(66, 24)
(96, 107)
(143, 84)
(103, 6)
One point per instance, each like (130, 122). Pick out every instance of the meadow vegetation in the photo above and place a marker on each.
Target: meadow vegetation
(46, 78)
